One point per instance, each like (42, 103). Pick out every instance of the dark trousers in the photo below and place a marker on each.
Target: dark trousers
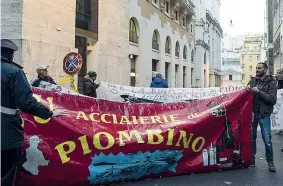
(9, 160)
(265, 126)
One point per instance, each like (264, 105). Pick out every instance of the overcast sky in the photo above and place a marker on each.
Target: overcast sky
(247, 16)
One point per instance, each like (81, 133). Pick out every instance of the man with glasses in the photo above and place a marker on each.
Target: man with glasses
(264, 89)
(42, 77)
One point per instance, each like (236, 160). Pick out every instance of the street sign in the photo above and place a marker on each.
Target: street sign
(72, 63)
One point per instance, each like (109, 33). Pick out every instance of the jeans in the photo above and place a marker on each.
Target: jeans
(265, 125)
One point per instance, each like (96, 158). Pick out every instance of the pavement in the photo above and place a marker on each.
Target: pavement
(256, 176)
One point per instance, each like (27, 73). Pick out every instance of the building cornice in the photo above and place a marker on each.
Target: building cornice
(209, 17)
(219, 2)
(231, 59)
(231, 72)
(202, 43)
(189, 3)
(216, 71)
(213, 21)
(200, 22)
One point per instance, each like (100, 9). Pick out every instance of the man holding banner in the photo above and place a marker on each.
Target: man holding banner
(43, 76)
(89, 84)
(265, 95)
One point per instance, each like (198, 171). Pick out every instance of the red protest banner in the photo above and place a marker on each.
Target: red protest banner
(104, 142)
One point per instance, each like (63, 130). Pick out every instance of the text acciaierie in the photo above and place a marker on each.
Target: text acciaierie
(135, 120)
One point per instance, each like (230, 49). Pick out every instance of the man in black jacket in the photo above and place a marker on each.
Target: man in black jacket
(265, 95)
(16, 95)
(89, 84)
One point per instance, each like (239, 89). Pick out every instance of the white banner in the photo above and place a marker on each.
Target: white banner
(277, 118)
(56, 88)
(113, 92)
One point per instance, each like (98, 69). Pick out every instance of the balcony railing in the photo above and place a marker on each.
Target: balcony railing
(155, 45)
(134, 37)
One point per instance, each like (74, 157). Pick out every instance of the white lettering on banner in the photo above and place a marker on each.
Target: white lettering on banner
(113, 92)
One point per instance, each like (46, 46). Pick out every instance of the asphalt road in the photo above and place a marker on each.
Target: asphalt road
(257, 176)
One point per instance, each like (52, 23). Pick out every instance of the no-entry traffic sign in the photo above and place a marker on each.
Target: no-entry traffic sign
(72, 63)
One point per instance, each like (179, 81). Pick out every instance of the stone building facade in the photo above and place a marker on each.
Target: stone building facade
(125, 42)
(278, 35)
(250, 56)
(208, 43)
(44, 32)
(140, 37)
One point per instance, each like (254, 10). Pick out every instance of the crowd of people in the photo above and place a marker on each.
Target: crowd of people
(89, 87)
(16, 95)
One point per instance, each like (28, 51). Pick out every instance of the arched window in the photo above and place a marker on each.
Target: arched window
(177, 49)
(192, 56)
(133, 31)
(184, 21)
(168, 45)
(185, 52)
(155, 40)
(204, 60)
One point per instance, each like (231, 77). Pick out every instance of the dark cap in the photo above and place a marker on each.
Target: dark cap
(91, 73)
(7, 44)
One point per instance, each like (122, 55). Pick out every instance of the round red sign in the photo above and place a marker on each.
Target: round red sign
(72, 63)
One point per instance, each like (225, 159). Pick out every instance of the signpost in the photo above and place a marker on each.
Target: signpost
(72, 64)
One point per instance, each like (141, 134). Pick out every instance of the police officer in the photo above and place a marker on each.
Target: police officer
(16, 94)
